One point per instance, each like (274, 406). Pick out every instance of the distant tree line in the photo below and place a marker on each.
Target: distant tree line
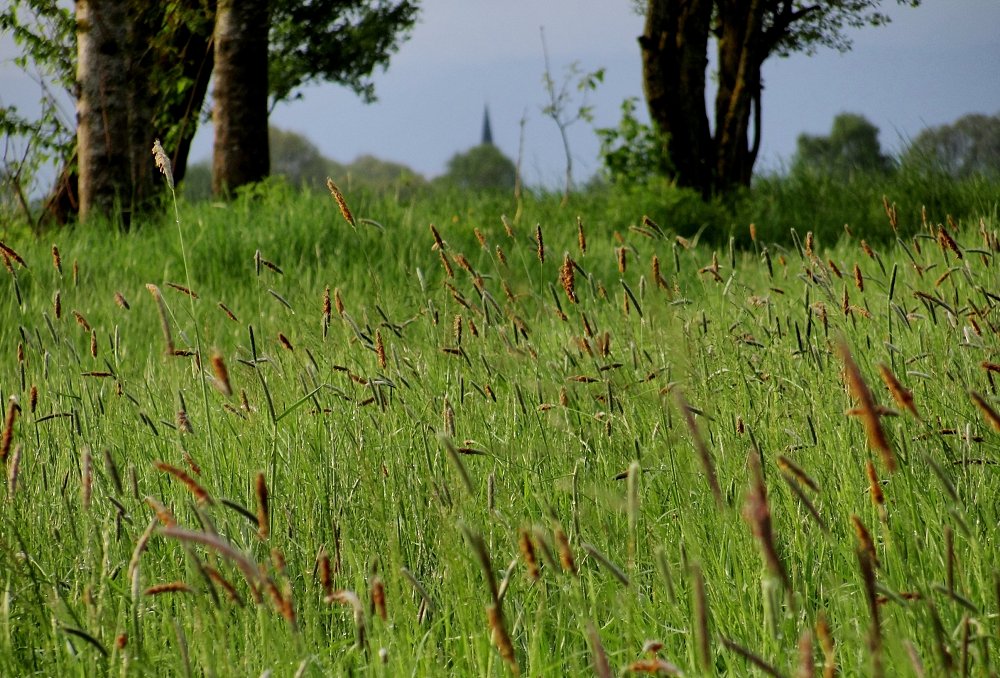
(299, 162)
(969, 146)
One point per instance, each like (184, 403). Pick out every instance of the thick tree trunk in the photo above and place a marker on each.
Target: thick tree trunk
(240, 154)
(153, 111)
(102, 107)
(145, 20)
(740, 60)
(675, 58)
(674, 48)
(115, 110)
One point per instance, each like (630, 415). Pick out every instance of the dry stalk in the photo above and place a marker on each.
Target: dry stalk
(161, 308)
(704, 455)
(757, 512)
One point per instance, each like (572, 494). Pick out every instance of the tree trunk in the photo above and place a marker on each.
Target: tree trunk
(740, 59)
(675, 58)
(115, 110)
(101, 107)
(240, 155)
(145, 20)
(674, 49)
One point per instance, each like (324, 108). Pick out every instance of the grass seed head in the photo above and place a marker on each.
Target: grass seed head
(13, 470)
(378, 598)
(163, 163)
(164, 515)
(221, 374)
(757, 512)
(989, 414)
(567, 278)
(501, 638)
(263, 508)
(438, 242)
(527, 546)
(168, 587)
(323, 572)
(9, 254)
(86, 478)
(902, 396)
(161, 308)
(539, 243)
(199, 492)
(341, 202)
(380, 349)
(865, 542)
(81, 320)
(867, 410)
(566, 558)
(13, 408)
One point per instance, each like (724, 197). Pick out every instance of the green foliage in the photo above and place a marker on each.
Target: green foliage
(632, 153)
(969, 146)
(824, 204)
(806, 28)
(45, 33)
(341, 41)
(851, 147)
(297, 159)
(300, 164)
(483, 167)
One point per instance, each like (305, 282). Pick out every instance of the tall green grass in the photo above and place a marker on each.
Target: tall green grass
(598, 422)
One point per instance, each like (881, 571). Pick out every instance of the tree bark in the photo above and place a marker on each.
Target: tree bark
(240, 155)
(740, 60)
(675, 58)
(115, 111)
(101, 107)
(155, 105)
(674, 49)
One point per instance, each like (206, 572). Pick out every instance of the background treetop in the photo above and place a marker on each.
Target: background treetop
(342, 41)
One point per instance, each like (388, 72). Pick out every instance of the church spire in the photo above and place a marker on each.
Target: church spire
(487, 131)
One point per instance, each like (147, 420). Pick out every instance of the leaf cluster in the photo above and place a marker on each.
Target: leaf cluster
(342, 41)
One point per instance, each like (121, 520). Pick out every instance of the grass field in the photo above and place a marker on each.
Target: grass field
(267, 441)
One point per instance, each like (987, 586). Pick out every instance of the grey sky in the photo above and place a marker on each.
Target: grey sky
(930, 66)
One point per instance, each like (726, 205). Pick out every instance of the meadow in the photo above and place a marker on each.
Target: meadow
(289, 437)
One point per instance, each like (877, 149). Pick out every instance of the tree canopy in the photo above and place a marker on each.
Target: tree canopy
(852, 146)
(745, 33)
(968, 146)
(341, 41)
(481, 167)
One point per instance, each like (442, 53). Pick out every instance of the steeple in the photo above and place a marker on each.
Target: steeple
(487, 131)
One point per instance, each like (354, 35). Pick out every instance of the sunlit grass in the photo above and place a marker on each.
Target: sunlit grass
(433, 425)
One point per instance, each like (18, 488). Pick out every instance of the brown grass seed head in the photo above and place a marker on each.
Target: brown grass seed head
(341, 202)
(263, 507)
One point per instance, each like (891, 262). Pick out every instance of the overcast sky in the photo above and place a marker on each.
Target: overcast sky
(931, 65)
